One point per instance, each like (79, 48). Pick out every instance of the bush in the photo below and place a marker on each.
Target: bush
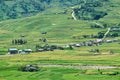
(115, 35)
(110, 73)
(101, 34)
(86, 36)
(29, 68)
(95, 26)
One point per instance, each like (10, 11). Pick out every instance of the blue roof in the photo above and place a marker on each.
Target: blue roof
(27, 49)
(12, 49)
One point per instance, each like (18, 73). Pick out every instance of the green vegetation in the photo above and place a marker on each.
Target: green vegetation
(10, 65)
(55, 26)
(87, 11)
(12, 9)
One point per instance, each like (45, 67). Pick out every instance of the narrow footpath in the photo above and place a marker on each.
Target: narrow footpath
(73, 15)
(106, 33)
(77, 66)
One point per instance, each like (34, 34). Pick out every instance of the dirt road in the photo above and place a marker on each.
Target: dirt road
(77, 66)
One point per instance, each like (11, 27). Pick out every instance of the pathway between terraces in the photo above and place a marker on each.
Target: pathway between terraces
(73, 15)
(77, 66)
(106, 33)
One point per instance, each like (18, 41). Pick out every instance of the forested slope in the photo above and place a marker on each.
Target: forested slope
(12, 9)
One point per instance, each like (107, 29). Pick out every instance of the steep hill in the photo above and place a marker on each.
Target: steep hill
(60, 27)
(11, 9)
(87, 9)
(85, 35)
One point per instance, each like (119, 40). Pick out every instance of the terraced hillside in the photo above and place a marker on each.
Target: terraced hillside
(58, 27)
(90, 9)
(12, 9)
(61, 29)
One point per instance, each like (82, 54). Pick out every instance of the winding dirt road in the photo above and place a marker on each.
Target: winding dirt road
(73, 15)
(106, 33)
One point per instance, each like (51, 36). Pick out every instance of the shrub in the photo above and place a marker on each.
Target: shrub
(110, 73)
(29, 68)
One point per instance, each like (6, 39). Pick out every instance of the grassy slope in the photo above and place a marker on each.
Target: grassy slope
(10, 64)
(57, 25)
(61, 34)
(52, 23)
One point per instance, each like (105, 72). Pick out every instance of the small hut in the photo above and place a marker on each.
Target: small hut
(40, 50)
(12, 51)
(27, 50)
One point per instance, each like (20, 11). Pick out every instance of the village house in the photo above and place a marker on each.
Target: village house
(27, 50)
(40, 50)
(116, 29)
(12, 51)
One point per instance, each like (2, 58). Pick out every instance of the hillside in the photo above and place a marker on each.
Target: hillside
(12, 9)
(69, 39)
(87, 9)
(57, 23)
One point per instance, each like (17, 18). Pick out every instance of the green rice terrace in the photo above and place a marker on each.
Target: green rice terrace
(59, 40)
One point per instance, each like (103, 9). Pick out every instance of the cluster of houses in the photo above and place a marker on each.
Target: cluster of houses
(17, 51)
(39, 49)
(70, 46)
(93, 42)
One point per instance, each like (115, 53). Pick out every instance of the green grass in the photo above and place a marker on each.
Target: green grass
(56, 74)
(61, 31)
(57, 26)
(11, 63)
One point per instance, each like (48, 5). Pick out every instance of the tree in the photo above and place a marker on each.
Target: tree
(37, 46)
(101, 35)
(19, 41)
(70, 47)
(111, 52)
(16, 41)
(114, 35)
(13, 42)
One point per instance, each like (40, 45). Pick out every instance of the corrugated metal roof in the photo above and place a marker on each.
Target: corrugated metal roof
(27, 49)
(12, 49)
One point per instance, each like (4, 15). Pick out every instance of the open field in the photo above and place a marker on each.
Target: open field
(11, 63)
(78, 56)
(61, 31)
